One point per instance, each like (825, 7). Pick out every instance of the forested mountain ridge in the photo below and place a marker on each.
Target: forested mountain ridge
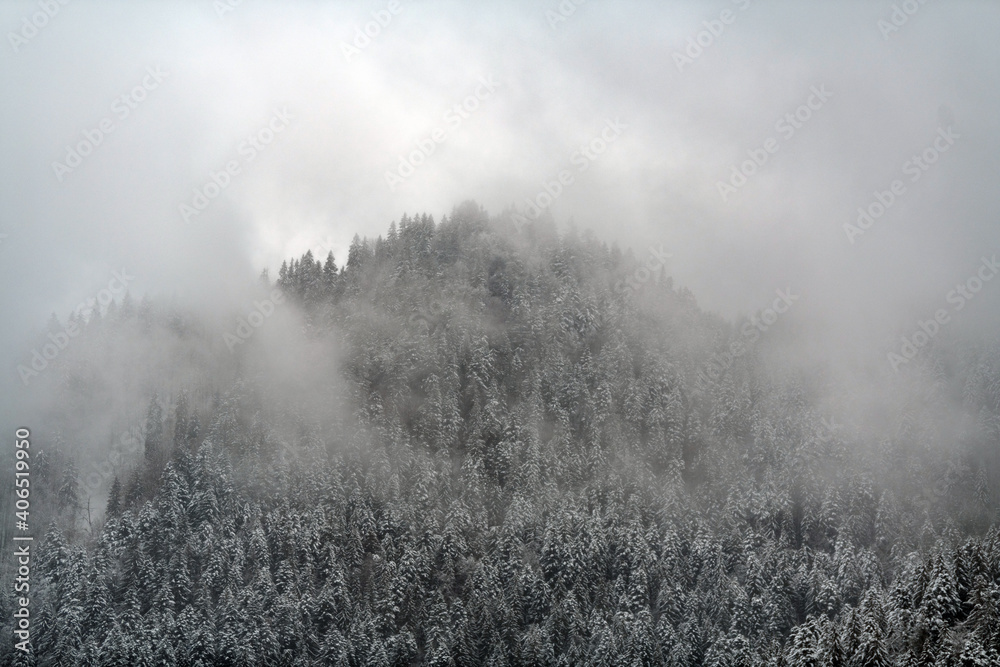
(513, 461)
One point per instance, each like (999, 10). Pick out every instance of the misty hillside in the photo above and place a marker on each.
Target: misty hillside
(482, 440)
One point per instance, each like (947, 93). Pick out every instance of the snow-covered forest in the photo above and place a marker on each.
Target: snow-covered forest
(472, 441)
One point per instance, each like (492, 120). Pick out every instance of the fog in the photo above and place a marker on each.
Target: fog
(334, 111)
(696, 361)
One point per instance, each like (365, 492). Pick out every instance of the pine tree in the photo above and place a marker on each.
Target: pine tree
(153, 444)
(538, 476)
(114, 498)
(941, 604)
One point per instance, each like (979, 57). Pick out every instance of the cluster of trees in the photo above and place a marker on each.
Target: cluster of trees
(530, 470)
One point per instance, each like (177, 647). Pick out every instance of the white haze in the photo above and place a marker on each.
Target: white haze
(323, 178)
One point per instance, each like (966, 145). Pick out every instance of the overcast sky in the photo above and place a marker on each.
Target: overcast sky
(184, 85)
